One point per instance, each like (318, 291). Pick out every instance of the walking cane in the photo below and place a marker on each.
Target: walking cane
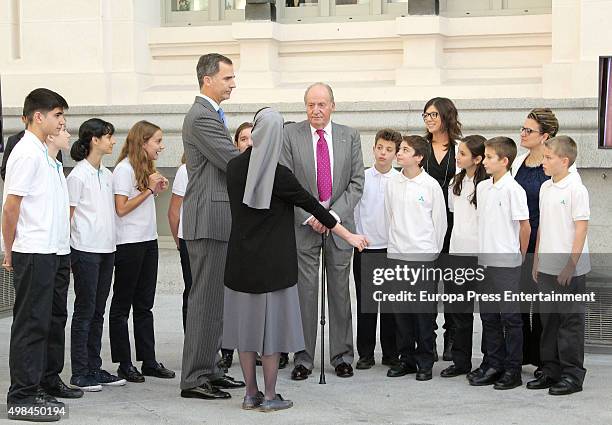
(323, 285)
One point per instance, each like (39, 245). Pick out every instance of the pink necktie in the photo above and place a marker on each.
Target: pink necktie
(324, 180)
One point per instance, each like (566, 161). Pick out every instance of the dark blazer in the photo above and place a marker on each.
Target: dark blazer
(208, 147)
(10, 145)
(261, 254)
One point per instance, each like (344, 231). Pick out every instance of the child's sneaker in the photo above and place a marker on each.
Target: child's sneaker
(86, 383)
(105, 378)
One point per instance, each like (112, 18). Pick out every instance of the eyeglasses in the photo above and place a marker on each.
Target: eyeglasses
(432, 115)
(528, 131)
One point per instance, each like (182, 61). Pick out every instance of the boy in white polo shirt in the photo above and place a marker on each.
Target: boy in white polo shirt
(503, 236)
(369, 220)
(416, 213)
(34, 235)
(560, 265)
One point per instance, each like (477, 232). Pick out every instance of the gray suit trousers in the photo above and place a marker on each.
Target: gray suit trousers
(339, 318)
(204, 326)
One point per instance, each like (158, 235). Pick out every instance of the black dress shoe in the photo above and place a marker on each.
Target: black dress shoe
(365, 363)
(299, 373)
(61, 390)
(400, 369)
(283, 361)
(538, 373)
(452, 371)
(541, 383)
(205, 391)
(226, 362)
(158, 371)
(508, 381)
(565, 386)
(473, 374)
(131, 375)
(344, 370)
(488, 377)
(424, 375)
(227, 382)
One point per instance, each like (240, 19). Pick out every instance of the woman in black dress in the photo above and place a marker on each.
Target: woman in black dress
(443, 130)
(261, 298)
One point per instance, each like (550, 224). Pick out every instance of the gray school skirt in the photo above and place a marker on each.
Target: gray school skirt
(266, 323)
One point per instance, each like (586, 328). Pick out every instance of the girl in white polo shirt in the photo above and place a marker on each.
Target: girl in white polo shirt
(463, 248)
(92, 241)
(135, 183)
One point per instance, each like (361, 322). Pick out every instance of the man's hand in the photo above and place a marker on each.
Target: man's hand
(7, 264)
(316, 225)
(566, 275)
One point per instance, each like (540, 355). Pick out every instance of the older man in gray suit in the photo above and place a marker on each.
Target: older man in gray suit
(326, 159)
(206, 227)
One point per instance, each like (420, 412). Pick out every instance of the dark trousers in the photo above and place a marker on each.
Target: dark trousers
(366, 322)
(134, 287)
(562, 343)
(93, 273)
(461, 313)
(532, 324)
(186, 267)
(36, 354)
(502, 326)
(415, 330)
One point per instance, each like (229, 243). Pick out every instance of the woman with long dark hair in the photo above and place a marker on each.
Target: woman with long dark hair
(443, 131)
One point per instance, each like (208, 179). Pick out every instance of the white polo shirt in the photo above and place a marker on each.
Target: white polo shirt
(416, 213)
(62, 207)
(370, 218)
(178, 188)
(561, 204)
(500, 208)
(464, 236)
(140, 225)
(43, 215)
(93, 222)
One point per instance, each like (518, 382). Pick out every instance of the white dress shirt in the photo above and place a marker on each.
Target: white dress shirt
(416, 213)
(330, 148)
(370, 218)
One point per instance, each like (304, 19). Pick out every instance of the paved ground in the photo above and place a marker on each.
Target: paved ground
(368, 397)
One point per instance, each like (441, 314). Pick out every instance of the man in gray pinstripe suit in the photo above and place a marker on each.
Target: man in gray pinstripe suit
(206, 227)
(326, 159)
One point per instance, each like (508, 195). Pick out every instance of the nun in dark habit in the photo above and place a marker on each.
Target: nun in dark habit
(261, 305)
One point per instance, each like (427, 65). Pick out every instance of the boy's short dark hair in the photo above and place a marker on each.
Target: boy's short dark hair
(42, 100)
(504, 147)
(419, 144)
(563, 146)
(389, 135)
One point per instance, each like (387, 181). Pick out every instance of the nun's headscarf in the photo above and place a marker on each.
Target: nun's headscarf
(267, 135)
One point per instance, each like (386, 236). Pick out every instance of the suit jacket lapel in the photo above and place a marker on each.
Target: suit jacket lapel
(339, 143)
(307, 158)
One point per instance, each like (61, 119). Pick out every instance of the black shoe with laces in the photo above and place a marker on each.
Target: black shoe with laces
(131, 374)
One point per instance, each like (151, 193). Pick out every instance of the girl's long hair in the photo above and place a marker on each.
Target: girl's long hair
(134, 151)
(476, 146)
